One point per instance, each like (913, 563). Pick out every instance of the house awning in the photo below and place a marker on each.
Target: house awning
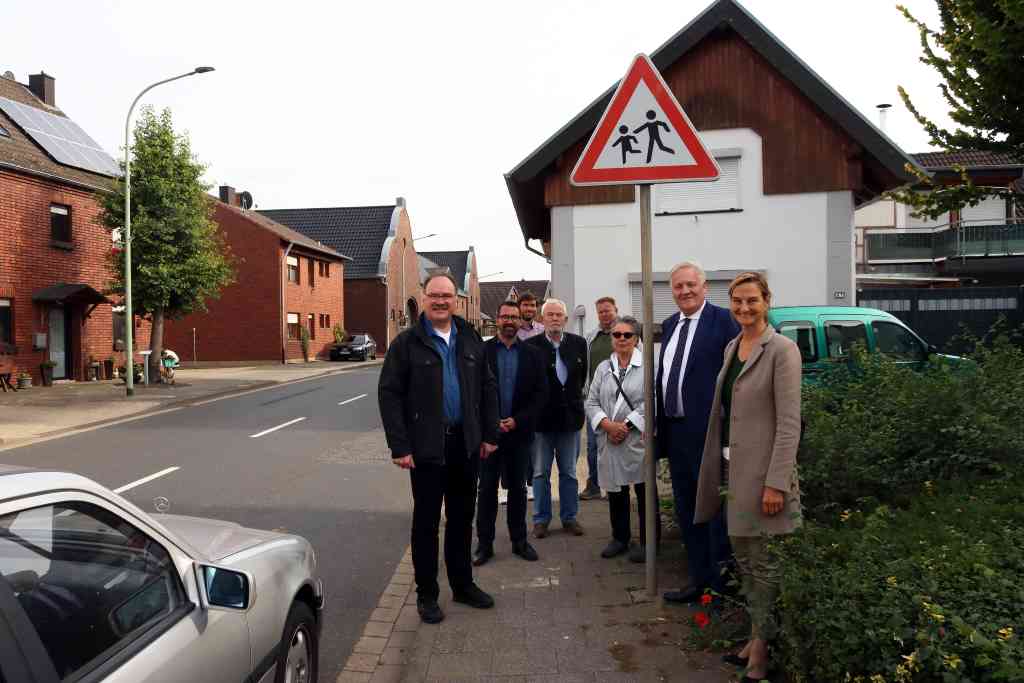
(70, 294)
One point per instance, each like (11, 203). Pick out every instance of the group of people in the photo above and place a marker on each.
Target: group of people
(467, 416)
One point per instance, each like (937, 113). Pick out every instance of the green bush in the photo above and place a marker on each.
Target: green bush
(304, 342)
(340, 335)
(876, 431)
(929, 593)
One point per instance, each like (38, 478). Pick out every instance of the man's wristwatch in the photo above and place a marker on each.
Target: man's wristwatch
(630, 426)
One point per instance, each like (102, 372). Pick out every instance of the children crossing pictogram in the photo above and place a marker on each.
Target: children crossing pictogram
(646, 115)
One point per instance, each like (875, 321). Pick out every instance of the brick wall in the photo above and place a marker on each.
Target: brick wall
(245, 322)
(28, 263)
(398, 301)
(365, 309)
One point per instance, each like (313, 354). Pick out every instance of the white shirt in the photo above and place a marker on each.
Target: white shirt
(447, 336)
(670, 353)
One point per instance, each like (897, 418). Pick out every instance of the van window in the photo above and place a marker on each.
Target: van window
(841, 335)
(801, 332)
(897, 342)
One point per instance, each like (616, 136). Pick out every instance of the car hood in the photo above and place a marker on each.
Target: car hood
(214, 538)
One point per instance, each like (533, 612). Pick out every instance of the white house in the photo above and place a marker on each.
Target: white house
(796, 160)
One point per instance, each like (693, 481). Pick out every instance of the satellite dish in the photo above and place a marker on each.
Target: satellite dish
(9, 75)
(245, 200)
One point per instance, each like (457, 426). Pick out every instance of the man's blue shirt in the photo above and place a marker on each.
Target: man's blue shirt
(508, 368)
(449, 370)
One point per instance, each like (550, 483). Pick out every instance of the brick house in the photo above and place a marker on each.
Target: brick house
(382, 281)
(285, 281)
(462, 266)
(53, 268)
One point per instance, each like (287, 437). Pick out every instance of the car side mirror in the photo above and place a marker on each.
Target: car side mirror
(224, 587)
(932, 348)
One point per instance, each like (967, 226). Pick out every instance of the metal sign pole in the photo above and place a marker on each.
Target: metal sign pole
(650, 465)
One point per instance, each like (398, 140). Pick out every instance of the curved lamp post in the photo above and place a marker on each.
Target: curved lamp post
(129, 327)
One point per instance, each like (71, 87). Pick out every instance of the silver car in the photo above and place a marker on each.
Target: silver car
(92, 588)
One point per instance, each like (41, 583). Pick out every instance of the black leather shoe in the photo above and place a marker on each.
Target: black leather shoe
(482, 554)
(524, 550)
(686, 596)
(638, 553)
(430, 611)
(474, 597)
(613, 548)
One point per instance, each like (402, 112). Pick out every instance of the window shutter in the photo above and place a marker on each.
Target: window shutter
(696, 197)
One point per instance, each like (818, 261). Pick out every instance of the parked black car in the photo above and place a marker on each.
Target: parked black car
(356, 347)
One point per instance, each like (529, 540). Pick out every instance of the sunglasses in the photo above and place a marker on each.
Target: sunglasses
(623, 335)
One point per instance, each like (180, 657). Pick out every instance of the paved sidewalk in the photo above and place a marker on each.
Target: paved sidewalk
(572, 616)
(39, 412)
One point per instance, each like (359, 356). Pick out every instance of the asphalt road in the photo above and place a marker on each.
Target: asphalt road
(326, 476)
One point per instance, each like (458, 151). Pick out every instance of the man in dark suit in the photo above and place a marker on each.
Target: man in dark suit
(522, 393)
(692, 348)
(439, 406)
(558, 430)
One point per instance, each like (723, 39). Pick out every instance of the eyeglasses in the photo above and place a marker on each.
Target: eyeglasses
(437, 295)
(509, 317)
(623, 335)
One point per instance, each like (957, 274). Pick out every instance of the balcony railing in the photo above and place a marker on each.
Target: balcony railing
(962, 239)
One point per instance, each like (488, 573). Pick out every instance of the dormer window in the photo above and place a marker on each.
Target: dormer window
(4, 133)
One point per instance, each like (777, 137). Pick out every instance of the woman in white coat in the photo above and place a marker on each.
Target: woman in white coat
(615, 409)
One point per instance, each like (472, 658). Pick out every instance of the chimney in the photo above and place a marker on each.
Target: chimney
(883, 112)
(400, 202)
(228, 195)
(41, 85)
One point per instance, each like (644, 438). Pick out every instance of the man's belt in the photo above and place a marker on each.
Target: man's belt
(450, 429)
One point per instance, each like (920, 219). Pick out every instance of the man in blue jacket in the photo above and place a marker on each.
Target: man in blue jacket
(692, 349)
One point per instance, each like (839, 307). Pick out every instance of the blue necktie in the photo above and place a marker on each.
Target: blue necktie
(560, 369)
(672, 399)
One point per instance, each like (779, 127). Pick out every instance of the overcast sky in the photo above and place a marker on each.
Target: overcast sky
(355, 103)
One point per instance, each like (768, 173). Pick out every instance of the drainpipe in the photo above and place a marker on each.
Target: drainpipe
(281, 306)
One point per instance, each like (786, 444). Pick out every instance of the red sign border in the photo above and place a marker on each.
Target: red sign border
(584, 174)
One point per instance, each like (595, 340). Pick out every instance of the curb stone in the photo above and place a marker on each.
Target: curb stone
(389, 634)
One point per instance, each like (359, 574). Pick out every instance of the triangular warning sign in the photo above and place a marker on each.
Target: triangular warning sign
(643, 137)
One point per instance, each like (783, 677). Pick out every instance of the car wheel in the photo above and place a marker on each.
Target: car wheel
(297, 661)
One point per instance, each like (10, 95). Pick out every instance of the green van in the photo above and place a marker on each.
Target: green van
(825, 334)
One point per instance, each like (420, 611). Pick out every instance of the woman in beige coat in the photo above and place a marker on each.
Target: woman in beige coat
(751, 447)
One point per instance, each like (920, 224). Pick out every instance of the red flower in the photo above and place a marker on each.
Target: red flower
(701, 619)
(705, 599)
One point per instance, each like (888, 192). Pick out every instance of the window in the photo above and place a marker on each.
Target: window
(293, 325)
(312, 327)
(88, 581)
(328, 325)
(6, 321)
(321, 321)
(118, 319)
(841, 335)
(327, 269)
(803, 334)
(293, 269)
(897, 342)
(312, 277)
(4, 133)
(686, 198)
(60, 223)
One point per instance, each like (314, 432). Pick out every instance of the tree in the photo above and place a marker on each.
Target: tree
(979, 53)
(179, 259)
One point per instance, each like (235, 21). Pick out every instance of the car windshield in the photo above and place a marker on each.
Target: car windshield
(358, 339)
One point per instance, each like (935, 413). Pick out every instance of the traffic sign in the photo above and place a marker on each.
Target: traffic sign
(644, 137)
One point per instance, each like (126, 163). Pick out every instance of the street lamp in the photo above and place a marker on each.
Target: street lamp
(129, 327)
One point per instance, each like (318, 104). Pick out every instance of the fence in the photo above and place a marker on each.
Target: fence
(939, 315)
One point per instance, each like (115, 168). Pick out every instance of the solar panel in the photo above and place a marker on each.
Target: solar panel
(61, 137)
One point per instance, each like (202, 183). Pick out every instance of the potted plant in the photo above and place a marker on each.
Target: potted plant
(24, 380)
(46, 370)
(108, 368)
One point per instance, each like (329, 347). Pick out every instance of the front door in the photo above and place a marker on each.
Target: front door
(58, 343)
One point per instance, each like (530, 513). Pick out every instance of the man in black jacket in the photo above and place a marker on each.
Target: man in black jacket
(558, 430)
(522, 393)
(439, 406)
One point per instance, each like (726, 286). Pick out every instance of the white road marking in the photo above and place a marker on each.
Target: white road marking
(274, 429)
(354, 398)
(146, 480)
